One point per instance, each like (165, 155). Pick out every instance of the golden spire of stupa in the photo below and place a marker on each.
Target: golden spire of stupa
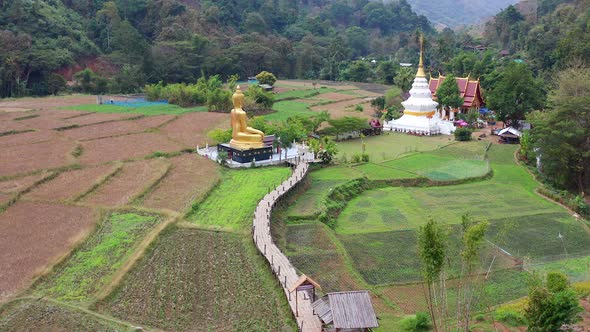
(421, 72)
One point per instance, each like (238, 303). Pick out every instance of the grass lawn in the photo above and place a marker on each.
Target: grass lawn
(91, 266)
(289, 108)
(231, 204)
(144, 110)
(381, 172)
(440, 168)
(193, 280)
(391, 145)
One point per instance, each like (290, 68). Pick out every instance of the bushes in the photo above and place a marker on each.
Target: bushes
(463, 134)
(266, 78)
(510, 317)
(419, 322)
(564, 197)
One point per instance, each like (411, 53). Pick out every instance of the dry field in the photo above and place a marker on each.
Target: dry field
(124, 187)
(190, 178)
(33, 236)
(59, 169)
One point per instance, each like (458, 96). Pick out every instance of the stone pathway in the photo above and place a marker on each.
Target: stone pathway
(282, 268)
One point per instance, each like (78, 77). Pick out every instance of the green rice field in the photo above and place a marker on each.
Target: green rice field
(231, 204)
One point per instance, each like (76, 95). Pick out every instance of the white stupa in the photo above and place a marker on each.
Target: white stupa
(420, 113)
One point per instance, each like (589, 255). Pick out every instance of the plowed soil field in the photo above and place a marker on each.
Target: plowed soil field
(33, 236)
(190, 178)
(30, 137)
(191, 129)
(126, 147)
(69, 185)
(129, 182)
(32, 157)
(48, 102)
(16, 185)
(117, 128)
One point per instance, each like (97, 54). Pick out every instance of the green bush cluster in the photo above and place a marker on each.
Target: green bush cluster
(359, 157)
(510, 317)
(207, 91)
(463, 134)
(339, 198)
(564, 197)
(416, 323)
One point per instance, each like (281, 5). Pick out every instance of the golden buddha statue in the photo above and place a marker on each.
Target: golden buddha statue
(243, 137)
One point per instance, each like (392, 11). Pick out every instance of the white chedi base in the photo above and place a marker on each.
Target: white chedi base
(420, 125)
(419, 106)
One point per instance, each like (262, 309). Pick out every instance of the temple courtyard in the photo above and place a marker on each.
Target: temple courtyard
(85, 245)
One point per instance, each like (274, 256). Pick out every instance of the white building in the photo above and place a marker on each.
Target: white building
(420, 113)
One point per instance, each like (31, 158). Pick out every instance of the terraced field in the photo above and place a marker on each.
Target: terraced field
(200, 280)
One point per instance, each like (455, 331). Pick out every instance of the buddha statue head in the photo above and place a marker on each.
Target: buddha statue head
(238, 98)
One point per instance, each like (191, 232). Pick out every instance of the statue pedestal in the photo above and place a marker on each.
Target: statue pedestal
(244, 156)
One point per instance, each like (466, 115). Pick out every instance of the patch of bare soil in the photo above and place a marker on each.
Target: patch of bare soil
(117, 128)
(33, 236)
(346, 108)
(29, 137)
(129, 182)
(335, 96)
(11, 125)
(4, 198)
(191, 129)
(98, 118)
(17, 185)
(190, 178)
(27, 158)
(125, 147)
(69, 185)
(46, 103)
(45, 120)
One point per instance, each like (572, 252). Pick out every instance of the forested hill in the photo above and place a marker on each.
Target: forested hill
(453, 13)
(179, 40)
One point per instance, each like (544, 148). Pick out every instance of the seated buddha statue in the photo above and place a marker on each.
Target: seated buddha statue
(243, 137)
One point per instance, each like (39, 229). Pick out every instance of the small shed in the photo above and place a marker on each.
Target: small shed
(350, 311)
(510, 135)
(303, 284)
(266, 87)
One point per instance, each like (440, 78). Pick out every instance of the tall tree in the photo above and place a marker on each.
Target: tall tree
(561, 134)
(516, 94)
(448, 94)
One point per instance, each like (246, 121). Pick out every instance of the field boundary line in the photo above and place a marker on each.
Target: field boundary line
(97, 184)
(137, 254)
(143, 194)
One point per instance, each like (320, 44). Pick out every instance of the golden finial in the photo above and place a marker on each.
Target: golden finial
(421, 72)
(238, 98)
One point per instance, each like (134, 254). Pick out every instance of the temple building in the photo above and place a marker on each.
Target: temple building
(421, 116)
(469, 90)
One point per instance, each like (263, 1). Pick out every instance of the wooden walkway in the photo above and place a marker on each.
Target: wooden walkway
(307, 321)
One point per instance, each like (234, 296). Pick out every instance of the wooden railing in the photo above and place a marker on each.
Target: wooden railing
(281, 267)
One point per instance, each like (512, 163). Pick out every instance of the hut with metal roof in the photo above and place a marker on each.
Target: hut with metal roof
(347, 311)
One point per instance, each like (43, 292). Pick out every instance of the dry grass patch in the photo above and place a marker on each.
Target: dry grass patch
(33, 236)
(71, 184)
(32, 157)
(189, 179)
